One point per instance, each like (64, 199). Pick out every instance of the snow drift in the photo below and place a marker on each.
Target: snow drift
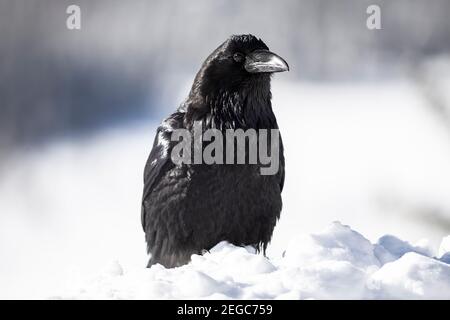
(338, 263)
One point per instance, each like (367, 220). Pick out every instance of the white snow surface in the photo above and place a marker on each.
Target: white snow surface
(337, 263)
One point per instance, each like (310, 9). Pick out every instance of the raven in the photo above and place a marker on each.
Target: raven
(189, 208)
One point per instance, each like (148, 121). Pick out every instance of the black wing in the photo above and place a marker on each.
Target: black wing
(282, 164)
(159, 161)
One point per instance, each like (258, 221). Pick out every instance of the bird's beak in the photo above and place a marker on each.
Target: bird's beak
(265, 61)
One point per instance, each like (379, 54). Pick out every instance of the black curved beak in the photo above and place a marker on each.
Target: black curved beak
(265, 61)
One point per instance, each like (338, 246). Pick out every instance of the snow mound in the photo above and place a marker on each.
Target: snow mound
(338, 263)
(413, 276)
(445, 246)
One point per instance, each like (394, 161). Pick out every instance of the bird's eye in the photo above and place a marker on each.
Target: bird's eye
(238, 57)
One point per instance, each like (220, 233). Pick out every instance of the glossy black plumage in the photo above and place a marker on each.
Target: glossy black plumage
(189, 208)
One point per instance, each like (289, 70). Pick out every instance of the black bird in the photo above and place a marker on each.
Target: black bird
(189, 208)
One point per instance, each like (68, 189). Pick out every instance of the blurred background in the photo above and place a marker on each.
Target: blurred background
(364, 114)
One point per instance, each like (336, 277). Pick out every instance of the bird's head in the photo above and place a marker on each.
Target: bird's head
(241, 66)
(239, 61)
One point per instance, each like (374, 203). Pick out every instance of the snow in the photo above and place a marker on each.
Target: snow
(445, 246)
(397, 248)
(413, 276)
(337, 263)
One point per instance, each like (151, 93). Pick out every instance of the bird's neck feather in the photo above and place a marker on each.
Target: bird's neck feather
(248, 106)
